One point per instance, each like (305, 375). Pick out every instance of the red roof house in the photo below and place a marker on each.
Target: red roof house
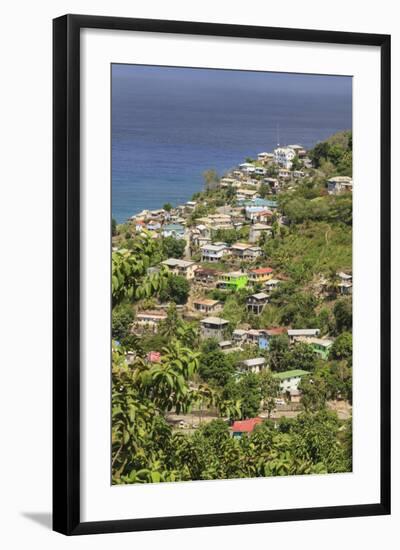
(245, 426)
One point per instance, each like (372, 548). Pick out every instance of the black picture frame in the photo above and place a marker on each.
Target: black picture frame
(66, 273)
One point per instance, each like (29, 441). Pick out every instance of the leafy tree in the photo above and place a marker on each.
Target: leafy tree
(278, 353)
(314, 393)
(302, 356)
(263, 190)
(113, 227)
(176, 289)
(296, 163)
(173, 248)
(343, 312)
(211, 179)
(269, 389)
(213, 365)
(122, 317)
(130, 278)
(169, 326)
(342, 347)
(167, 207)
(249, 394)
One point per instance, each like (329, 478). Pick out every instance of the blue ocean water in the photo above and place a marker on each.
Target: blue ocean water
(171, 124)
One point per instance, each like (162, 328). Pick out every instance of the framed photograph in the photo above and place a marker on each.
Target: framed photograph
(221, 274)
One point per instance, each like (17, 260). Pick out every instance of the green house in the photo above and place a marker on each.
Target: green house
(321, 347)
(235, 280)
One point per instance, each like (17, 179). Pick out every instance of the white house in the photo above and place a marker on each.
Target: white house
(247, 167)
(253, 365)
(289, 380)
(213, 252)
(284, 156)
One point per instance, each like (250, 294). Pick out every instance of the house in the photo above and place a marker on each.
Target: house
(257, 230)
(234, 280)
(265, 336)
(258, 214)
(205, 276)
(253, 336)
(256, 302)
(289, 380)
(207, 306)
(239, 336)
(213, 252)
(303, 333)
(297, 174)
(153, 226)
(271, 284)
(247, 168)
(190, 206)
(181, 267)
(260, 171)
(245, 251)
(284, 174)
(240, 427)
(339, 184)
(227, 182)
(245, 194)
(227, 346)
(321, 346)
(175, 230)
(253, 365)
(273, 183)
(252, 253)
(139, 225)
(213, 327)
(148, 320)
(283, 156)
(265, 158)
(260, 275)
(299, 150)
(345, 284)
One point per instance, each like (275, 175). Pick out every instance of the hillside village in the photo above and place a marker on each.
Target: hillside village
(253, 275)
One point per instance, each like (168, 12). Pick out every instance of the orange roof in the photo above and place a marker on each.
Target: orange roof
(246, 425)
(262, 270)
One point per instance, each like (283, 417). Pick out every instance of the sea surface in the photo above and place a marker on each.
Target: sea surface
(169, 125)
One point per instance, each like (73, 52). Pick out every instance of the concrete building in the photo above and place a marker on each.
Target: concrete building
(260, 275)
(284, 156)
(207, 306)
(234, 280)
(181, 267)
(289, 380)
(213, 252)
(253, 365)
(213, 327)
(148, 320)
(302, 334)
(339, 184)
(256, 302)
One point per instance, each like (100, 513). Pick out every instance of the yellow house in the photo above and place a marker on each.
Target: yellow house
(260, 275)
